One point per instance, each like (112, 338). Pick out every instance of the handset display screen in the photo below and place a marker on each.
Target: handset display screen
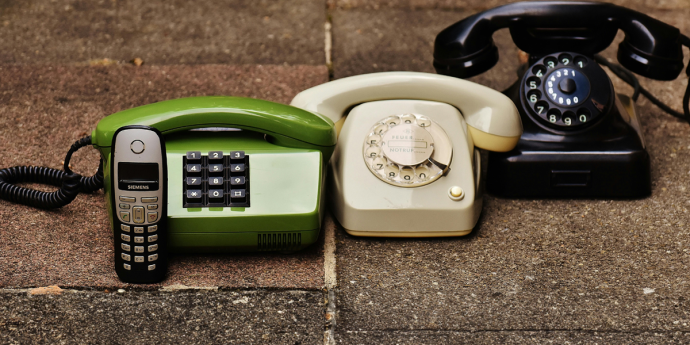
(137, 176)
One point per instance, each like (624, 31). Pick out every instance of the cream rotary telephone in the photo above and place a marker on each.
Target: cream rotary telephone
(406, 163)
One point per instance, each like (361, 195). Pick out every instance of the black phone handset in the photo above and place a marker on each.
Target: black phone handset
(580, 138)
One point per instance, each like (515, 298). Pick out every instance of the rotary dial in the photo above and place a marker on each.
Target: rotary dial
(407, 150)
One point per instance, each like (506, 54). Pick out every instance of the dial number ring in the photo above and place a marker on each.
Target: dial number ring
(407, 150)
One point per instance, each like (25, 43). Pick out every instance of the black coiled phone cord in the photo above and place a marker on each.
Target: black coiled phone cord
(630, 78)
(69, 182)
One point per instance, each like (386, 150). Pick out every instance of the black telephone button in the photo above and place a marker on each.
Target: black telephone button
(193, 181)
(215, 181)
(193, 194)
(565, 59)
(193, 155)
(237, 193)
(235, 168)
(215, 155)
(193, 168)
(580, 61)
(539, 70)
(215, 168)
(237, 180)
(237, 155)
(215, 193)
(550, 62)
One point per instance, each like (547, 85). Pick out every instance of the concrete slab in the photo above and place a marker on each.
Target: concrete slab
(44, 109)
(195, 317)
(163, 32)
(610, 268)
(511, 337)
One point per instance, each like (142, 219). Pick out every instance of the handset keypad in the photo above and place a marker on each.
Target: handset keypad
(216, 180)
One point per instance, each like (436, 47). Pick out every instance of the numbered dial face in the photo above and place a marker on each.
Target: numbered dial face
(407, 150)
(566, 90)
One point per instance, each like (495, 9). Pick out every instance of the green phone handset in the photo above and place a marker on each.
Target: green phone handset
(203, 174)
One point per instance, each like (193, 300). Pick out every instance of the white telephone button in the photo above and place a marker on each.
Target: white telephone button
(423, 121)
(407, 174)
(422, 173)
(391, 171)
(392, 121)
(456, 193)
(408, 119)
(374, 139)
(380, 129)
(378, 163)
(373, 151)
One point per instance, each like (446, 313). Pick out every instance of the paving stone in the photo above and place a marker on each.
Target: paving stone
(44, 109)
(163, 32)
(480, 5)
(196, 317)
(403, 337)
(604, 266)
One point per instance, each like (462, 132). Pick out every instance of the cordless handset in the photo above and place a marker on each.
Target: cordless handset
(139, 204)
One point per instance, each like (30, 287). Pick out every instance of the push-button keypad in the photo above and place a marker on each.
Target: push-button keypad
(216, 180)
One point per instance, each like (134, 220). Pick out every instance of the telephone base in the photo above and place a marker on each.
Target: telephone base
(586, 165)
(239, 242)
(408, 233)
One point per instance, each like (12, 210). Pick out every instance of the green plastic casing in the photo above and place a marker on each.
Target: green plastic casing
(288, 150)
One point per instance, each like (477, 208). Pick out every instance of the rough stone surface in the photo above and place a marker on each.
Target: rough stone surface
(403, 337)
(163, 32)
(192, 317)
(606, 271)
(44, 109)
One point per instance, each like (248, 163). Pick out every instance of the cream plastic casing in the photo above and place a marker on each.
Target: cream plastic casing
(367, 206)
(472, 116)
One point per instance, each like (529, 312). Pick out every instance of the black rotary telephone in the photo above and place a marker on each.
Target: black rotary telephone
(580, 139)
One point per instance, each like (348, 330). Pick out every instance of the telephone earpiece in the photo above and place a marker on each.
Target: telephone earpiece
(651, 48)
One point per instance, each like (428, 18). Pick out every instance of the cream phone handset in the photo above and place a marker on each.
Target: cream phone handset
(405, 163)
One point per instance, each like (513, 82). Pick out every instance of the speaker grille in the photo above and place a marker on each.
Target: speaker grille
(279, 241)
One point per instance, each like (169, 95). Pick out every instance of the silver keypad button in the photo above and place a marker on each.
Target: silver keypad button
(152, 267)
(125, 257)
(139, 249)
(138, 239)
(124, 227)
(149, 199)
(153, 216)
(138, 259)
(128, 199)
(125, 206)
(128, 267)
(153, 238)
(124, 215)
(138, 229)
(153, 257)
(138, 214)
(125, 247)
(153, 228)
(153, 248)
(124, 237)
(152, 207)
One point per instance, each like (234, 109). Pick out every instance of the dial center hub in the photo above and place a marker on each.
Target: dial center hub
(567, 85)
(407, 144)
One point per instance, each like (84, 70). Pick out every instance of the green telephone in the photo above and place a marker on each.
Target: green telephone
(203, 174)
